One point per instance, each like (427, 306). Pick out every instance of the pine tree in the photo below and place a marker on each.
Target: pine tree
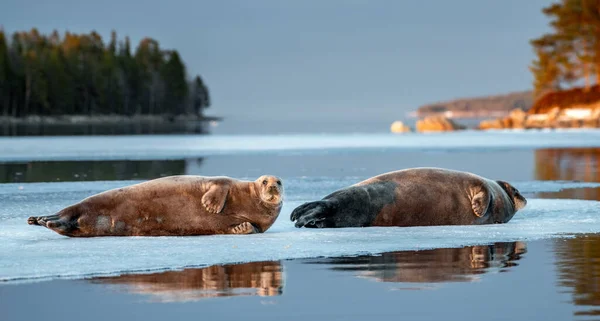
(200, 96)
(173, 74)
(60, 84)
(4, 76)
(148, 57)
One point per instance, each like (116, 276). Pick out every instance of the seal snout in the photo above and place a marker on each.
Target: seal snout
(520, 202)
(273, 193)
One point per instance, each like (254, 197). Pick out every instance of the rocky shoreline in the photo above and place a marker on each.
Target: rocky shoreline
(576, 107)
(574, 117)
(585, 116)
(428, 124)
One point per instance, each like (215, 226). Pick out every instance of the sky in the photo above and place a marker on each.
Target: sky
(314, 65)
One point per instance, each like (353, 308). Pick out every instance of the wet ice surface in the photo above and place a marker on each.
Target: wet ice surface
(190, 146)
(29, 253)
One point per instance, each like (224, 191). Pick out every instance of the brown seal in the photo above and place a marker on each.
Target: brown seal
(414, 197)
(175, 205)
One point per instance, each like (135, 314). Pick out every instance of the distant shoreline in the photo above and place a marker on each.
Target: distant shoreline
(450, 114)
(491, 106)
(103, 119)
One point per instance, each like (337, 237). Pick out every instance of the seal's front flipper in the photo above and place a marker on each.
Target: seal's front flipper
(214, 199)
(313, 214)
(244, 228)
(479, 202)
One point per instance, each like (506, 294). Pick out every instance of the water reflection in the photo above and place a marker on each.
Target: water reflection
(432, 266)
(133, 128)
(578, 263)
(574, 164)
(92, 170)
(247, 279)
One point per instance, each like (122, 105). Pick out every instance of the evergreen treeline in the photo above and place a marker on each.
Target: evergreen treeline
(570, 54)
(79, 74)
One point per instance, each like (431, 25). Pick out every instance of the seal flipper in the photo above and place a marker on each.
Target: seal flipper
(312, 214)
(59, 226)
(480, 202)
(42, 220)
(54, 222)
(214, 199)
(244, 228)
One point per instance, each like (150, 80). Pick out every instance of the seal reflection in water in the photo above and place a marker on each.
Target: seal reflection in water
(433, 266)
(257, 278)
(414, 197)
(175, 205)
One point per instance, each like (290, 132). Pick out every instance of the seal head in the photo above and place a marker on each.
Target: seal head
(270, 189)
(518, 200)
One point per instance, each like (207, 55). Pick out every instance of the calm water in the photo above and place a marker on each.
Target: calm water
(231, 125)
(553, 279)
(542, 280)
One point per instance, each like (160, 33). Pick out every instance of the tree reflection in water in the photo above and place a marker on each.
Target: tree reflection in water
(577, 259)
(571, 164)
(70, 171)
(578, 262)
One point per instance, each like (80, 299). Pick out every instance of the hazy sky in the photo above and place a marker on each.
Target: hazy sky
(326, 59)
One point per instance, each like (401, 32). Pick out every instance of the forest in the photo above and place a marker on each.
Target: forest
(80, 74)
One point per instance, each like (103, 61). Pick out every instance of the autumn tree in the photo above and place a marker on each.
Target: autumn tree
(571, 52)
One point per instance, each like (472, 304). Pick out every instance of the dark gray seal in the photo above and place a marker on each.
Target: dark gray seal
(414, 197)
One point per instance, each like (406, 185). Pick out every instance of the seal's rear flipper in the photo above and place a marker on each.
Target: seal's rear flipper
(53, 222)
(58, 226)
(33, 221)
(312, 214)
(42, 220)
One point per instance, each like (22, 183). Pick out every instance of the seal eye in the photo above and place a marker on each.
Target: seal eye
(279, 183)
(265, 182)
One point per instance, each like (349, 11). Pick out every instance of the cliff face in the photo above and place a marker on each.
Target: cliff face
(479, 106)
